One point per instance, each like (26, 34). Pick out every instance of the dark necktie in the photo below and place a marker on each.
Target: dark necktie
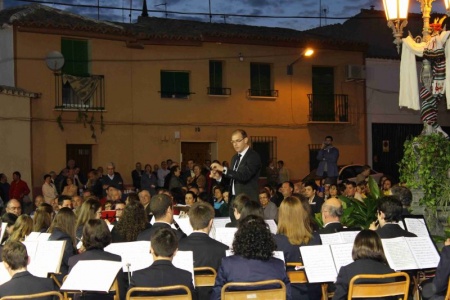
(236, 164)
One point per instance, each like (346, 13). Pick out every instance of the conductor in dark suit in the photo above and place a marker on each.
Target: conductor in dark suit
(15, 259)
(389, 213)
(161, 207)
(244, 169)
(331, 216)
(164, 246)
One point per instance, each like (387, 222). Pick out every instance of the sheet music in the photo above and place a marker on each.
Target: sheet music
(319, 263)
(331, 238)
(398, 254)
(349, 236)
(225, 235)
(221, 222)
(423, 251)
(45, 257)
(4, 275)
(416, 226)
(37, 236)
(272, 226)
(135, 255)
(184, 224)
(185, 260)
(342, 254)
(92, 275)
(2, 232)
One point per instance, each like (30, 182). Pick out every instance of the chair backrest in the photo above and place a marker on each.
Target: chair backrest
(373, 289)
(242, 294)
(164, 289)
(296, 276)
(204, 276)
(114, 288)
(35, 296)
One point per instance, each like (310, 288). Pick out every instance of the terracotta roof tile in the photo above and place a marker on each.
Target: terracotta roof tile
(9, 90)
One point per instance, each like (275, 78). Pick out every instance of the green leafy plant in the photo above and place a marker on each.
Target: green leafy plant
(358, 214)
(425, 166)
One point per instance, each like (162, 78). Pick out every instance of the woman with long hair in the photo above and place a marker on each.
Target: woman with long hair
(90, 209)
(63, 229)
(253, 260)
(96, 236)
(22, 227)
(42, 218)
(294, 230)
(132, 222)
(368, 258)
(10, 219)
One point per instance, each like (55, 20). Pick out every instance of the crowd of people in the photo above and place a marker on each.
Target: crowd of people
(78, 210)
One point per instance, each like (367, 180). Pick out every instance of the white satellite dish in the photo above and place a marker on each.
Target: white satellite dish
(54, 60)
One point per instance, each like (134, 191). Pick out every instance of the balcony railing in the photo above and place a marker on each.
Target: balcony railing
(262, 93)
(328, 108)
(76, 92)
(219, 91)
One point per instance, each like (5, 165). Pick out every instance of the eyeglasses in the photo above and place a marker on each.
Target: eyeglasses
(237, 141)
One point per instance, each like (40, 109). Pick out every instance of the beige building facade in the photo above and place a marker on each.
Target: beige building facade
(143, 122)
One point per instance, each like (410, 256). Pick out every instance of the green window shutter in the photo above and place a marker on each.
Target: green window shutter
(76, 57)
(215, 74)
(260, 81)
(174, 84)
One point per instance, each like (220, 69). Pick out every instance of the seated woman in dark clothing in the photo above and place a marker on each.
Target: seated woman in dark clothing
(252, 261)
(96, 236)
(132, 222)
(63, 229)
(294, 230)
(369, 258)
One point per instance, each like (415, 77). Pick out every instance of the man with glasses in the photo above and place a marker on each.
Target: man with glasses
(243, 171)
(14, 207)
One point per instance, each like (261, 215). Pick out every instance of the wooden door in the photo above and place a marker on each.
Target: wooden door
(199, 152)
(82, 154)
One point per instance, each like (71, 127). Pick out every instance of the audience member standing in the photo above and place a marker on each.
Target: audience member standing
(112, 178)
(136, 175)
(328, 157)
(162, 173)
(19, 188)
(149, 180)
(49, 190)
(4, 188)
(283, 172)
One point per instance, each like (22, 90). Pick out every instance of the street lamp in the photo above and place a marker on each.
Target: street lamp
(397, 14)
(306, 53)
(430, 46)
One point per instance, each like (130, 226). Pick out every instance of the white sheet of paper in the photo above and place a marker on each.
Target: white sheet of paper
(416, 226)
(225, 235)
(4, 275)
(424, 251)
(92, 275)
(184, 224)
(33, 236)
(331, 238)
(349, 236)
(342, 254)
(272, 226)
(221, 222)
(319, 263)
(185, 260)
(135, 255)
(2, 232)
(398, 254)
(45, 256)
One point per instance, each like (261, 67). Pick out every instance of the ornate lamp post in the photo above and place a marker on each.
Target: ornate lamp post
(432, 46)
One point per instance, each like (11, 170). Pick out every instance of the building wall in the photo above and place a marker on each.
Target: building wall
(15, 135)
(383, 84)
(140, 125)
(6, 57)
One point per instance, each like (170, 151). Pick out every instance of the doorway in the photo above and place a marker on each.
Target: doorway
(82, 154)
